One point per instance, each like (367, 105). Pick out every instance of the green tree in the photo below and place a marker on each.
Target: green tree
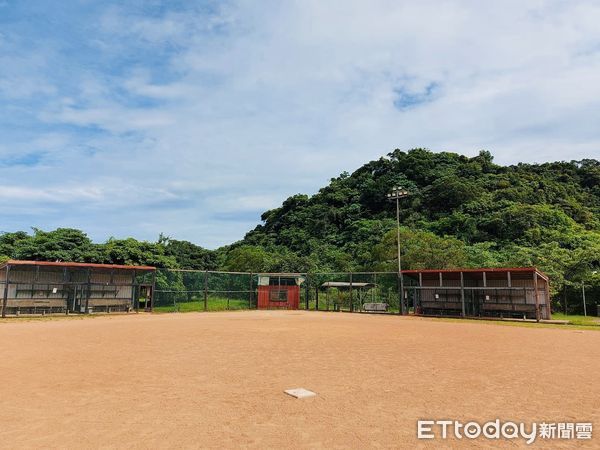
(132, 252)
(420, 250)
(189, 255)
(62, 244)
(248, 259)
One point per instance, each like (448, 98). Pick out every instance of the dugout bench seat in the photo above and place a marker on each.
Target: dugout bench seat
(375, 307)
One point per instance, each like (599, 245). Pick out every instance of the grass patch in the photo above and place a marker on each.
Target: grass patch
(197, 305)
(577, 319)
(507, 323)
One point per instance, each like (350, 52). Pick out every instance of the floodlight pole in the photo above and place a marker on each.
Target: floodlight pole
(402, 307)
(396, 194)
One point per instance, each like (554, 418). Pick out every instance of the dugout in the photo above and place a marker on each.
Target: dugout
(279, 291)
(41, 287)
(499, 292)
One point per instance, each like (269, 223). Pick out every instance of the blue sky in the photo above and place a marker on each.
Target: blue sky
(131, 118)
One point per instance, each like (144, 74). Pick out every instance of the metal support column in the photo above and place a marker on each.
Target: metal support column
(152, 290)
(462, 293)
(351, 300)
(134, 299)
(485, 292)
(547, 297)
(399, 287)
(5, 297)
(396, 194)
(306, 293)
(536, 296)
(420, 293)
(402, 309)
(251, 293)
(206, 290)
(88, 291)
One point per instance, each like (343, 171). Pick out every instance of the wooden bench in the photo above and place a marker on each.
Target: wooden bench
(103, 302)
(518, 307)
(375, 307)
(441, 308)
(36, 303)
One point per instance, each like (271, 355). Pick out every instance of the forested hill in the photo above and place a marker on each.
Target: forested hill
(462, 212)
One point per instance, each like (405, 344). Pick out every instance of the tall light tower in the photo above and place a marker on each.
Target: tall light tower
(396, 194)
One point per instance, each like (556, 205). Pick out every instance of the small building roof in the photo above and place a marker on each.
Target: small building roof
(498, 270)
(16, 262)
(346, 285)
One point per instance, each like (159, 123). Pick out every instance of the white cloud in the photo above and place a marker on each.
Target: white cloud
(186, 117)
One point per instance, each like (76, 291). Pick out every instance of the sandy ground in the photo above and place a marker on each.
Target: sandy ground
(217, 380)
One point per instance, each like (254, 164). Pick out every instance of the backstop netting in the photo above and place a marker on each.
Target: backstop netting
(193, 290)
(354, 292)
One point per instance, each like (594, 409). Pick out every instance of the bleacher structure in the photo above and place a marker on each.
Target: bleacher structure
(497, 292)
(42, 287)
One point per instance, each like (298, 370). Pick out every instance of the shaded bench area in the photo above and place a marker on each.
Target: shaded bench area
(43, 287)
(496, 292)
(342, 296)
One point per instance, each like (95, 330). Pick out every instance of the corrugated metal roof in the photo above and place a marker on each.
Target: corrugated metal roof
(345, 284)
(487, 270)
(16, 262)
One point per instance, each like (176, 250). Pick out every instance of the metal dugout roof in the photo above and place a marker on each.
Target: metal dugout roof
(494, 270)
(16, 262)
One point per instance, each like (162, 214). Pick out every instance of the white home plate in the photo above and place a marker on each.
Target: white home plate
(300, 393)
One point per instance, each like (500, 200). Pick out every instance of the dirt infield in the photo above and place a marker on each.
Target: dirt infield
(217, 379)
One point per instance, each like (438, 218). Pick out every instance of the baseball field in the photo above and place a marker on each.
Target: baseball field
(217, 379)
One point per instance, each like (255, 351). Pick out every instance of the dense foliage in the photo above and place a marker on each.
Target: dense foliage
(462, 212)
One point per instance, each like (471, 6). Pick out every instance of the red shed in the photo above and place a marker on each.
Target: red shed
(279, 292)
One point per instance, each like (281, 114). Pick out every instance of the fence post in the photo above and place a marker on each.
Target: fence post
(152, 290)
(206, 290)
(88, 288)
(583, 297)
(316, 298)
(420, 307)
(351, 299)
(536, 296)
(462, 293)
(306, 294)
(251, 293)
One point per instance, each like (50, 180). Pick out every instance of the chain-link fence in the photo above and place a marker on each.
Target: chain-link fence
(55, 287)
(354, 292)
(425, 292)
(189, 290)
